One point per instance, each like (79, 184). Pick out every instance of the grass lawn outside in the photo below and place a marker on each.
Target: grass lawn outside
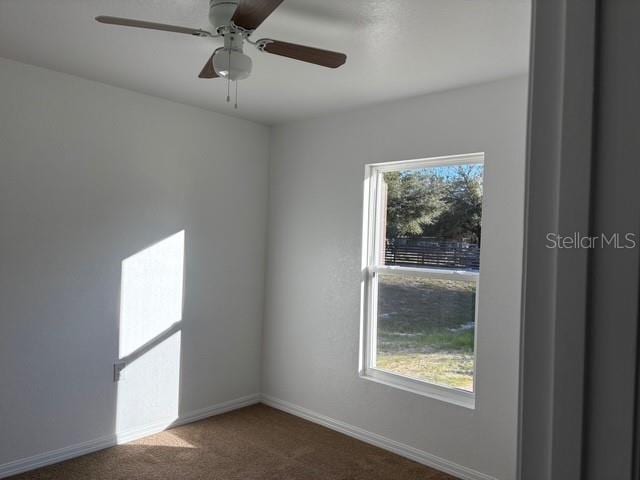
(426, 329)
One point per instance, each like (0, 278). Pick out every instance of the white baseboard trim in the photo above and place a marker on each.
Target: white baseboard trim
(72, 451)
(407, 451)
(189, 417)
(55, 456)
(66, 453)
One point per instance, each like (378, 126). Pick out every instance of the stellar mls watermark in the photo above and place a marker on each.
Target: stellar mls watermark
(603, 240)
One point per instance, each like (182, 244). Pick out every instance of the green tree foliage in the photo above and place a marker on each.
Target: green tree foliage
(413, 202)
(444, 202)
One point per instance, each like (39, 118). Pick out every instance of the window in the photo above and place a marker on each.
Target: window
(422, 264)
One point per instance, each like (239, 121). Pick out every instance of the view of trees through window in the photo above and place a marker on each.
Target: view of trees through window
(426, 319)
(442, 203)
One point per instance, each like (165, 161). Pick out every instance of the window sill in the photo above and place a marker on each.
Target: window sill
(444, 394)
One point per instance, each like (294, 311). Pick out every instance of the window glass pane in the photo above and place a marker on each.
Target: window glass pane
(431, 217)
(425, 329)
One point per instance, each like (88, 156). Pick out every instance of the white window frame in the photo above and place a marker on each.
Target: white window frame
(371, 267)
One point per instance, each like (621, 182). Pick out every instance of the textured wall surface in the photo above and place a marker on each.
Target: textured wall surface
(311, 337)
(91, 175)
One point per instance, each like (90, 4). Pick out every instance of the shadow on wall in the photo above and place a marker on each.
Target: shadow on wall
(151, 303)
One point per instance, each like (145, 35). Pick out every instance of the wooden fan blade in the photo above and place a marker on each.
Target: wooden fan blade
(208, 71)
(128, 22)
(326, 58)
(251, 13)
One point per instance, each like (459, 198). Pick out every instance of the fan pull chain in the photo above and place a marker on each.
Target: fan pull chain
(228, 77)
(236, 105)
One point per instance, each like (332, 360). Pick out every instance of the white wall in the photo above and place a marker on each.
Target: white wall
(91, 175)
(311, 329)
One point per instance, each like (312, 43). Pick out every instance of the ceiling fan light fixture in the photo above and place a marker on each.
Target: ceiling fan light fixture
(232, 64)
(234, 21)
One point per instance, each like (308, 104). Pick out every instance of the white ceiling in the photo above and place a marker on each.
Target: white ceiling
(395, 48)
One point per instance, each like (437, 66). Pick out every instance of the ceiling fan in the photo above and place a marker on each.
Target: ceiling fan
(235, 21)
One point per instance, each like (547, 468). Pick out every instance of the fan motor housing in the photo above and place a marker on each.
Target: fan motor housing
(221, 11)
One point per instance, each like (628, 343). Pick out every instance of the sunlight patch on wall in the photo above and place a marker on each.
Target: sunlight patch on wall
(152, 282)
(150, 316)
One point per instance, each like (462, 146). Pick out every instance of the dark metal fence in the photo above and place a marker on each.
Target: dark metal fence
(435, 254)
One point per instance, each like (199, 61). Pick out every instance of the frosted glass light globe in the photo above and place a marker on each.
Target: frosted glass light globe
(232, 64)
